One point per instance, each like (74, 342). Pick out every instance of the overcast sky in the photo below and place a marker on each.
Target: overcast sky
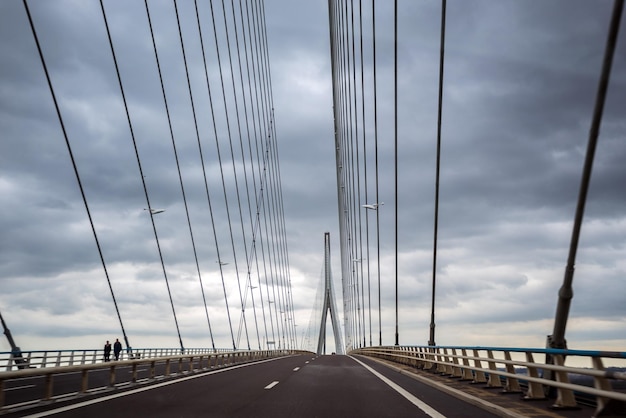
(519, 90)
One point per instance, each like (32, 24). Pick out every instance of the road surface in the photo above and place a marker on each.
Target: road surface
(296, 386)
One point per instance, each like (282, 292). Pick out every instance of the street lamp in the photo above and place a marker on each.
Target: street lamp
(155, 211)
(373, 206)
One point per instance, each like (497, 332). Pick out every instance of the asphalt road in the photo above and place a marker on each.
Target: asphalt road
(297, 386)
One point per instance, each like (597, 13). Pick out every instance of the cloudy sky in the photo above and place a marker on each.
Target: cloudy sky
(519, 91)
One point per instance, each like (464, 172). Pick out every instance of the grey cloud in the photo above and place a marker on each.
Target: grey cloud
(518, 96)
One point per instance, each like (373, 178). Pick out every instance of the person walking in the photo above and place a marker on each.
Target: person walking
(117, 349)
(107, 351)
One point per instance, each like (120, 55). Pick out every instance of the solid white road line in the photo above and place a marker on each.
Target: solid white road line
(415, 401)
(19, 387)
(271, 385)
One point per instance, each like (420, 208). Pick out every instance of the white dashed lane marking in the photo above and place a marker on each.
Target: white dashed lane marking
(271, 385)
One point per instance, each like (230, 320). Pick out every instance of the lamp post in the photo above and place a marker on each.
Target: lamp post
(373, 206)
(155, 211)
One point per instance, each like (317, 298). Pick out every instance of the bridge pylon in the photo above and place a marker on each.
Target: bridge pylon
(329, 305)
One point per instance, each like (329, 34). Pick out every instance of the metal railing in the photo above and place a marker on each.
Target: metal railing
(151, 368)
(59, 358)
(506, 367)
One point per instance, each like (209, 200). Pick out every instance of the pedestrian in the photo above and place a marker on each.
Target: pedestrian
(117, 349)
(107, 351)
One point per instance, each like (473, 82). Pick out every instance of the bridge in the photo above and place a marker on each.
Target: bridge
(202, 184)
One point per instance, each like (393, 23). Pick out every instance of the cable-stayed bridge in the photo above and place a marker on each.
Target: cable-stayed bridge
(147, 133)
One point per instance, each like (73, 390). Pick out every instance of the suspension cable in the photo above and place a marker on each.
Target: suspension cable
(260, 167)
(431, 341)
(395, 112)
(195, 122)
(214, 123)
(357, 206)
(268, 205)
(279, 305)
(380, 328)
(156, 55)
(367, 230)
(75, 167)
(557, 339)
(261, 116)
(230, 228)
(276, 190)
(252, 254)
(106, 24)
(256, 229)
(235, 177)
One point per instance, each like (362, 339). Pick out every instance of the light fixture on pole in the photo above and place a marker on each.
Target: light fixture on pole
(373, 206)
(155, 211)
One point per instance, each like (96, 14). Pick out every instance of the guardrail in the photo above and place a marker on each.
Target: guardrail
(157, 368)
(503, 368)
(57, 358)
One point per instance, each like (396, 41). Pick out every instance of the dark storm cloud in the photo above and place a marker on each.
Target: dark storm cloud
(520, 85)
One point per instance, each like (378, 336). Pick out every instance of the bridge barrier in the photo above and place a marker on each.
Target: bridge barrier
(158, 367)
(499, 367)
(59, 358)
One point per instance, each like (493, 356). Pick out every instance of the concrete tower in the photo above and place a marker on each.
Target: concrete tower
(329, 304)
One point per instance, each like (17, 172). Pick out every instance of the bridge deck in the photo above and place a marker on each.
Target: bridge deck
(303, 386)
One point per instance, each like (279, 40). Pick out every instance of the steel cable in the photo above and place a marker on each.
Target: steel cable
(230, 228)
(214, 124)
(254, 103)
(367, 233)
(395, 148)
(236, 179)
(169, 121)
(431, 340)
(380, 328)
(195, 122)
(252, 254)
(273, 174)
(75, 167)
(266, 178)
